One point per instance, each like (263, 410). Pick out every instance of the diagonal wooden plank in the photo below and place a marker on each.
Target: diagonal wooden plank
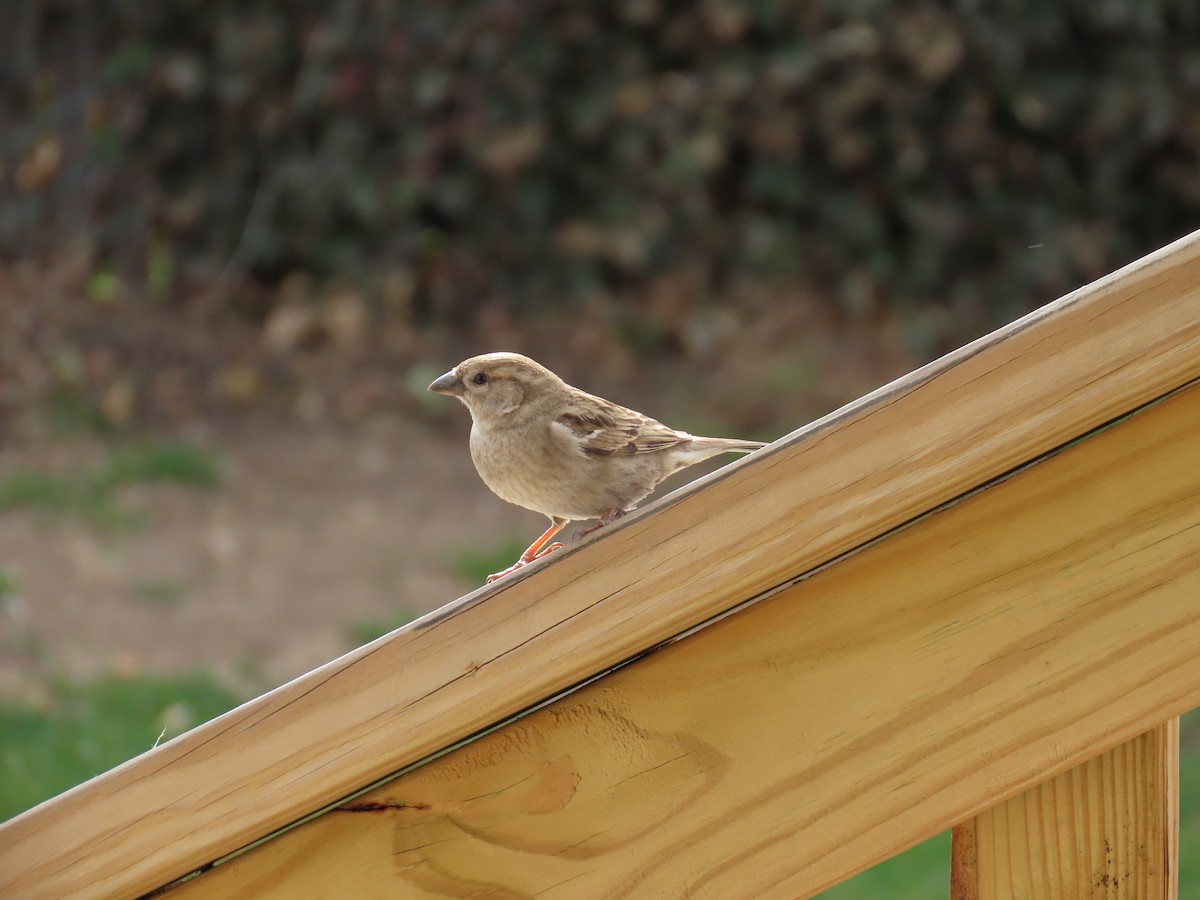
(1108, 828)
(1007, 638)
(821, 491)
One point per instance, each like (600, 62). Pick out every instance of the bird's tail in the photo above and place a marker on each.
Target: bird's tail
(699, 449)
(731, 445)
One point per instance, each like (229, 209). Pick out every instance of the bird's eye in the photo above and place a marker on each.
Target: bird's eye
(480, 378)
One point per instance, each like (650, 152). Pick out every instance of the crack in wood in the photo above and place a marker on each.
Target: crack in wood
(376, 806)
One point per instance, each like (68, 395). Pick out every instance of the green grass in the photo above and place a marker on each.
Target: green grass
(366, 630)
(70, 414)
(159, 591)
(1189, 806)
(173, 462)
(93, 494)
(79, 730)
(10, 584)
(39, 491)
(917, 874)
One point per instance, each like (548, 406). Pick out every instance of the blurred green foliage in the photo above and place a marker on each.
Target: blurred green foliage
(473, 563)
(463, 154)
(366, 630)
(159, 591)
(159, 461)
(919, 873)
(10, 584)
(81, 729)
(93, 494)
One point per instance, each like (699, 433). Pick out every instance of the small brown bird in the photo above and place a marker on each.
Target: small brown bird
(544, 445)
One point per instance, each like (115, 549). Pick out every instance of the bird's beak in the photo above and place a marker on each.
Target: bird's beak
(449, 384)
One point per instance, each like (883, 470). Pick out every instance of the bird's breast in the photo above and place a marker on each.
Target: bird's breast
(547, 474)
(514, 466)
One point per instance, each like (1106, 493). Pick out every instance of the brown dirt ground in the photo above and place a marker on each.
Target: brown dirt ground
(310, 531)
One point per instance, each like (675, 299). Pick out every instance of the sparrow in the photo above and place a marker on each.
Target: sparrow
(540, 443)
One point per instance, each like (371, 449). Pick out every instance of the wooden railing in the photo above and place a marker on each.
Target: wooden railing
(971, 598)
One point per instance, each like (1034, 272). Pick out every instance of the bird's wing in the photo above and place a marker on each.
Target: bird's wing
(602, 428)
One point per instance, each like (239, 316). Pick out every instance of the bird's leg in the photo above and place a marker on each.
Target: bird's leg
(541, 547)
(536, 550)
(609, 516)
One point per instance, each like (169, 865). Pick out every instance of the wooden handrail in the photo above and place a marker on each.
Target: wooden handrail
(1006, 638)
(756, 525)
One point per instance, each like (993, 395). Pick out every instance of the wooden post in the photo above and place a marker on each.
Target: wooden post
(1107, 828)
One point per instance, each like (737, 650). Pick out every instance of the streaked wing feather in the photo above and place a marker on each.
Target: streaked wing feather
(606, 429)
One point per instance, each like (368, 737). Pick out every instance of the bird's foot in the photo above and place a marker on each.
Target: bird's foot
(526, 559)
(535, 551)
(497, 575)
(609, 516)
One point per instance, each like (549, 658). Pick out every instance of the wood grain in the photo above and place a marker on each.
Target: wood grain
(818, 493)
(1005, 639)
(1106, 828)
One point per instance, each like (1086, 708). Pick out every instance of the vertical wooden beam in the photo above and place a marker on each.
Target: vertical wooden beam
(1107, 828)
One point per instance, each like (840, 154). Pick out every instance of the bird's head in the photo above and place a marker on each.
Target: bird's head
(496, 385)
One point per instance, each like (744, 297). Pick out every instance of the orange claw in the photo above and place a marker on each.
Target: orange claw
(536, 550)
